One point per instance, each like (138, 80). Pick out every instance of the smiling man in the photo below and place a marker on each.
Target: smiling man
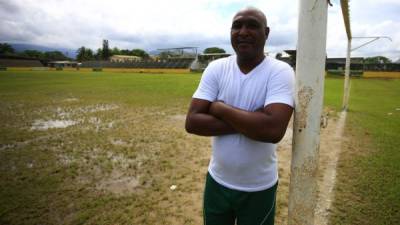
(245, 102)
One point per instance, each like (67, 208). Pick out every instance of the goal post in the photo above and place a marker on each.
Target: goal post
(310, 75)
(344, 4)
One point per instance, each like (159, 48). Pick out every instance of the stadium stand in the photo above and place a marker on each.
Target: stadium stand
(20, 63)
(170, 63)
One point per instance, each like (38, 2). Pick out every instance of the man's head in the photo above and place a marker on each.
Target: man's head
(249, 32)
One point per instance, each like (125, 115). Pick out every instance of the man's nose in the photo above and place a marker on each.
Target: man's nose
(243, 30)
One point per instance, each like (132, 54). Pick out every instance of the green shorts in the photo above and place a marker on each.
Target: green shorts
(224, 206)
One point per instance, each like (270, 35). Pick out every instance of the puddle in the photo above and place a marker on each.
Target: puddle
(99, 108)
(63, 117)
(45, 125)
(119, 142)
(71, 100)
(65, 159)
(95, 120)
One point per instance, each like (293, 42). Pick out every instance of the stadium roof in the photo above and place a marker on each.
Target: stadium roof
(180, 48)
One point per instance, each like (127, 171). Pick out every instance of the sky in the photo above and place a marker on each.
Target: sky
(154, 24)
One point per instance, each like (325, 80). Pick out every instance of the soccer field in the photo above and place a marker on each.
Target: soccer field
(98, 148)
(110, 148)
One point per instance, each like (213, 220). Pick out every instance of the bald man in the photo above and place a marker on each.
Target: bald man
(245, 102)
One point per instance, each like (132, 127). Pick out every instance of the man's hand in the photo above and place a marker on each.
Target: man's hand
(265, 124)
(217, 108)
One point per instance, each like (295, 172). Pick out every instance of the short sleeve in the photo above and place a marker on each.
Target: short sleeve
(280, 87)
(208, 86)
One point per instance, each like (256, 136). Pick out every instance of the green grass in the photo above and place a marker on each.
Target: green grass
(126, 130)
(368, 188)
(333, 93)
(130, 126)
(138, 89)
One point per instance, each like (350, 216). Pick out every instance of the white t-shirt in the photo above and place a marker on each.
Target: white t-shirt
(237, 161)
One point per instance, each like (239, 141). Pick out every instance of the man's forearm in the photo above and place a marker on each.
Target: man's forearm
(207, 125)
(255, 125)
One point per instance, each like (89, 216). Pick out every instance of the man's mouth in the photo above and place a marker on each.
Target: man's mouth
(244, 42)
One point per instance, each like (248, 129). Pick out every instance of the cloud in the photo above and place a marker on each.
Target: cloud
(8, 7)
(156, 24)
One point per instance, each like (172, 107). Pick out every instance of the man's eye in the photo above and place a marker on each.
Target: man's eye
(253, 25)
(236, 26)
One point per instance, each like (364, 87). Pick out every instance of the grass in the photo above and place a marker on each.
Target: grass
(368, 188)
(129, 133)
(128, 146)
(333, 93)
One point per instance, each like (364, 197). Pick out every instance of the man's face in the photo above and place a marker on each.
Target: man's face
(248, 34)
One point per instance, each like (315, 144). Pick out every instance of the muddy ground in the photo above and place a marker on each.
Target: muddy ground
(112, 164)
(330, 147)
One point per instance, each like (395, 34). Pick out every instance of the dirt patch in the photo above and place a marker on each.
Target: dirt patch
(329, 156)
(330, 146)
(179, 117)
(118, 183)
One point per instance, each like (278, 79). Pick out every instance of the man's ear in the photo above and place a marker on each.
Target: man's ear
(266, 31)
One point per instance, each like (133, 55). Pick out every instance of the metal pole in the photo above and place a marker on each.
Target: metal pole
(310, 71)
(369, 42)
(346, 93)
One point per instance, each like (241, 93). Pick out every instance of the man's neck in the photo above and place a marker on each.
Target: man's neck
(247, 65)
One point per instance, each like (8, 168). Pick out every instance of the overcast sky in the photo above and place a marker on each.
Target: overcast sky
(154, 24)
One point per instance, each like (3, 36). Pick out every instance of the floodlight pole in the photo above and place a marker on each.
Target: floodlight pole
(310, 71)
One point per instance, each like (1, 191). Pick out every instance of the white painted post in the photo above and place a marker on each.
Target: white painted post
(346, 93)
(310, 72)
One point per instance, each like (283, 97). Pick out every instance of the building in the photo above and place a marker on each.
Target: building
(65, 63)
(125, 58)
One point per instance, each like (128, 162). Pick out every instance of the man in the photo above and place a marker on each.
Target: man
(245, 101)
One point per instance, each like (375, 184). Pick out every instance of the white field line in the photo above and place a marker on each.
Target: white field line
(326, 194)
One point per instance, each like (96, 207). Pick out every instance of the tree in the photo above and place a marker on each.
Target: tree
(377, 60)
(6, 48)
(213, 50)
(80, 53)
(125, 52)
(54, 55)
(99, 54)
(140, 53)
(105, 50)
(33, 54)
(84, 54)
(115, 51)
